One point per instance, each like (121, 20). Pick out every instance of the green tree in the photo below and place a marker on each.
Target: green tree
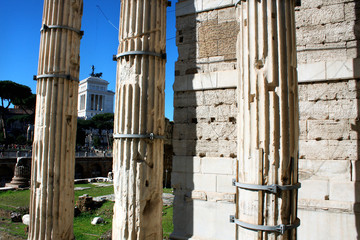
(96, 142)
(27, 104)
(82, 126)
(12, 93)
(101, 122)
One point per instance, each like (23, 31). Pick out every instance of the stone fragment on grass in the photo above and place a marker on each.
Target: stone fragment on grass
(15, 217)
(97, 220)
(168, 199)
(110, 197)
(76, 211)
(85, 203)
(26, 219)
(81, 188)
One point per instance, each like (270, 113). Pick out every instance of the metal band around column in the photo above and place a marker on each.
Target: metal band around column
(150, 136)
(273, 188)
(282, 228)
(155, 54)
(46, 27)
(65, 76)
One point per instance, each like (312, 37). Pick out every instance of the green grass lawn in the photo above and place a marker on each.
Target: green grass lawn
(94, 191)
(167, 220)
(11, 200)
(83, 229)
(19, 201)
(168, 190)
(17, 230)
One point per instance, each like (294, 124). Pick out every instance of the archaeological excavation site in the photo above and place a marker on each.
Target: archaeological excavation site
(265, 142)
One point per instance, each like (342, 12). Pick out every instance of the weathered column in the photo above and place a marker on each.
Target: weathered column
(268, 121)
(21, 174)
(139, 120)
(52, 182)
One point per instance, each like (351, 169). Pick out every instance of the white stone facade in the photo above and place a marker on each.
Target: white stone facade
(328, 51)
(94, 97)
(205, 116)
(204, 137)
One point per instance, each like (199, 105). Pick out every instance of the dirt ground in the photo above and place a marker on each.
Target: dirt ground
(6, 236)
(4, 224)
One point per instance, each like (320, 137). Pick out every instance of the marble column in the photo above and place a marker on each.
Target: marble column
(53, 159)
(268, 119)
(139, 120)
(21, 173)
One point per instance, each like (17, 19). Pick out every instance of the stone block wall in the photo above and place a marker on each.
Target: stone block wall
(328, 164)
(329, 87)
(205, 112)
(204, 137)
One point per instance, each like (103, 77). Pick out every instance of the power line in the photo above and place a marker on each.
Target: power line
(170, 38)
(108, 20)
(106, 17)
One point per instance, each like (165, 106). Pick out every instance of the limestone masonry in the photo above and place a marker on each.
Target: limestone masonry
(205, 116)
(52, 181)
(237, 102)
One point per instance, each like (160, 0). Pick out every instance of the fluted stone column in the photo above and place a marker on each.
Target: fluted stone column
(52, 183)
(268, 119)
(21, 174)
(139, 113)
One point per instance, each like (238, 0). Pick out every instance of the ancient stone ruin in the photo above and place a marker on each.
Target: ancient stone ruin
(52, 181)
(265, 97)
(139, 120)
(206, 93)
(22, 174)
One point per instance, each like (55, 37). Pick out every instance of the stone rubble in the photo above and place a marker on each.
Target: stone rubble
(97, 220)
(15, 217)
(26, 219)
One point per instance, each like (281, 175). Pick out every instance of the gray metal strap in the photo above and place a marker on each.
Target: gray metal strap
(155, 54)
(46, 27)
(150, 136)
(66, 76)
(273, 188)
(281, 228)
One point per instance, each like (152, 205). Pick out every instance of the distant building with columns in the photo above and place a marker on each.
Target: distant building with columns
(94, 97)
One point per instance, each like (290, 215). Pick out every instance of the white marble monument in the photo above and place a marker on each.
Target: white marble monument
(94, 96)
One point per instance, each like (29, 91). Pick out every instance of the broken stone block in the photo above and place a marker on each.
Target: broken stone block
(81, 188)
(26, 219)
(97, 220)
(15, 217)
(88, 203)
(85, 203)
(76, 211)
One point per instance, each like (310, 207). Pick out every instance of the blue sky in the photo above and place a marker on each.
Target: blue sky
(20, 23)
